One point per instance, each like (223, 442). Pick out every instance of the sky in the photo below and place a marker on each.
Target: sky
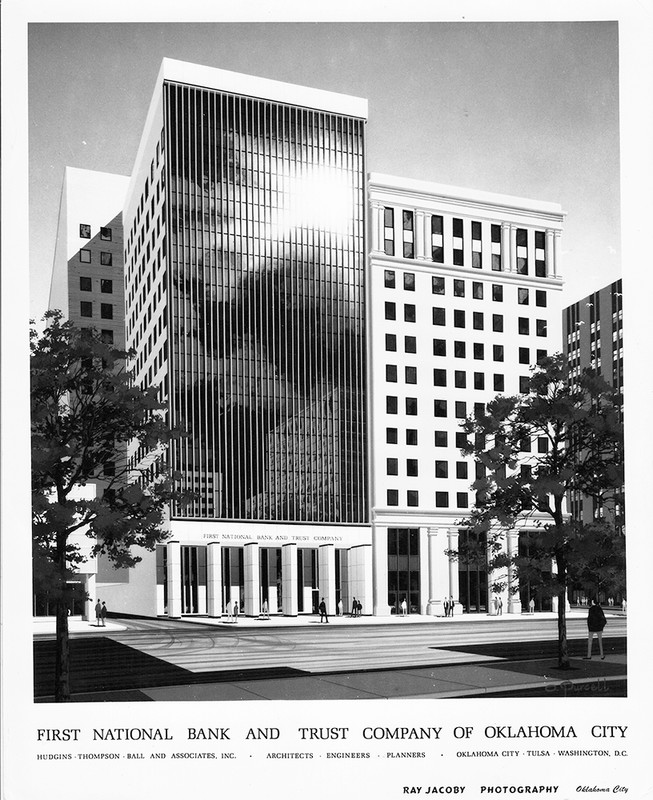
(518, 108)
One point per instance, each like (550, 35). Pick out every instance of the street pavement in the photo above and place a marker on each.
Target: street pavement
(366, 658)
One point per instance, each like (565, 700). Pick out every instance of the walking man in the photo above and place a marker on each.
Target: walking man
(452, 603)
(354, 607)
(98, 613)
(103, 614)
(236, 612)
(595, 623)
(446, 607)
(323, 611)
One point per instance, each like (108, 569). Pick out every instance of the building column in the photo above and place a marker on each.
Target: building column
(380, 607)
(326, 561)
(420, 250)
(91, 600)
(505, 247)
(252, 578)
(438, 567)
(214, 579)
(454, 580)
(428, 238)
(513, 248)
(514, 600)
(496, 575)
(174, 579)
(377, 228)
(289, 579)
(549, 254)
(556, 254)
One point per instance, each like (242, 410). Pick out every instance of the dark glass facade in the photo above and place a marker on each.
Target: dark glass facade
(265, 251)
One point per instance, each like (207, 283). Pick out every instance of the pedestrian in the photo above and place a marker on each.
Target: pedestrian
(404, 607)
(341, 608)
(229, 612)
(623, 605)
(354, 607)
(500, 606)
(103, 614)
(266, 611)
(236, 613)
(452, 603)
(595, 623)
(495, 605)
(359, 608)
(446, 607)
(323, 611)
(531, 606)
(98, 613)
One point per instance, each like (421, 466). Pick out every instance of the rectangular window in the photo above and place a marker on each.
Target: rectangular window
(439, 377)
(411, 374)
(438, 316)
(457, 225)
(460, 379)
(477, 320)
(391, 405)
(542, 444)
(522, 297)
(496, 262)
(499, 383)
(106, 259)
(461, 500)
(409, 312)
(495, 234)
(477, 255)
(84, 231)
(390, 311)
(391, 373)
(85, 309)
(522, 251)
(411, 406)
(410, 344)
(458, 257)
(389, 231)
(540, 298)
(479, 380)
(461, 470)
(85, 256)
(441, 469)
(106, 311)
(389, 278)
(391, 342)
(540, 356)
(461, 440)
(458, 319)
(412, 497)
(106, 336)
(458, 288)
(437, 285)
(461, 409)
(440, 408)
(106, 286)
(439, 347)
(437, 248)
(477, 290)
(392, 466)
(436, 225)
(497, 323)
(540, 255)
(105, 234)
(442, 499)
(540, 327)
(391, 435)
(85, 285)
(440, 439)
(411, 436)
(407, 225)
(524, 355)
(524, 384)
(523, 326)
(497, 352)
(497, 292)
(459, 349)
(411, 467)
(479, 351)
(409, 281)
(393, 497)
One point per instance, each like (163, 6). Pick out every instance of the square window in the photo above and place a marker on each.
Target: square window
(458, 288)
(461, 409)
(442, 499)
(391, 373)
(439, 316)
(477, 320)
(461, 440)
(540, 298)
(84, 231)
(85, 309)
(461, 500)
(522, 297)
(85, 285)
(412, 497)
(106, 311)
(106, 259)
(440, 408)
(479, 351)
(391, 435)
(479, 380)
(459, 319)
(410, 344)
(106, 286)
(411, 467)
(389, 279)
(523, 326)
(542, 444)
(440, 439)
(411, 406)
(85, 256)
(497, 352)
(409, 312)
(393, 497)
(392, 466)
(524, 384)
(540, 327)
(439, 347)
(459, 349)
(390, 311)
(524, 355)
(441, 469)
(460, 379)
(411, 374)
(105, 234)
(497, 293)
(439, 377)
(391, 405)
(409, 281)
(499, 384)
(477, 290)
(497, 323)
(437, 285)
(106, 336)
(461, 470)
(411, 436)
(391, 342)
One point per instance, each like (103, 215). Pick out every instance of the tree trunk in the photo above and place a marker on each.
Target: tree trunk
(62, 664)
(563, 653)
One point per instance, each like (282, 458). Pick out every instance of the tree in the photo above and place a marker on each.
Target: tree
(85, 414)
(533, 450)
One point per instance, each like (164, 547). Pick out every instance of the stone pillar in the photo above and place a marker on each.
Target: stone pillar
(428, 238)
(514, 601)
(289, 579)
(549, 254)
(438, 567)
(214, 579)
(91, 600)
(505, 247)
(174, 579)
(252, 579)
(556, 254)
(418, 233)
(377, 228)
(513, 248)
(380, 571)
(454, 581)
(327, 576)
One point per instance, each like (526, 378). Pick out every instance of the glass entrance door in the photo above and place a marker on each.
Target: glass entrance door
(403, 569)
